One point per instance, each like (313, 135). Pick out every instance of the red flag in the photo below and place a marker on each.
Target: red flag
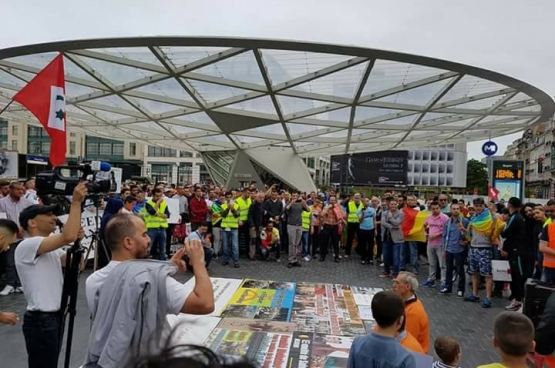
(493, 193)
(44, 96)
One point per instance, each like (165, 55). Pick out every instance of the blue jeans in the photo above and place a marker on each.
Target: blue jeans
(158, 237)
(231, 239)
(548, 275)
(454, 261)
(409, 250)
(392, 256)
(304, 243)
(42, 338)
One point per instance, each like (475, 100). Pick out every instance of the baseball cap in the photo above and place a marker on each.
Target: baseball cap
(33, 211)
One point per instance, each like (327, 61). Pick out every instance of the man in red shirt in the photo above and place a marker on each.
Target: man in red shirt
(198, 209)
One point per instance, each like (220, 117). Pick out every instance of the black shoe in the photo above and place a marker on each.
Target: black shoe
(336, 259)
(290, 265)
(225, 263)
(322, 259)
(371, 262)
(297, 264)
(236, 265)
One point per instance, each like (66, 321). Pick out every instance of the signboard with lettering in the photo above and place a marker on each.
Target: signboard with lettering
(508, 178)
(370, 168)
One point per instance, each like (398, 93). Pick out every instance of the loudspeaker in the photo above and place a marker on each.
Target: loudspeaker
(536, 295)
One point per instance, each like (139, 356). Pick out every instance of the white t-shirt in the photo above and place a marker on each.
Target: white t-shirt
(125, 210)
(176, 292)
(41, 277)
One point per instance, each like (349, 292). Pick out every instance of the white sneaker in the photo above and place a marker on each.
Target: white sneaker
(7, 290)
(306, 258)
(382, 264)
(19, 289)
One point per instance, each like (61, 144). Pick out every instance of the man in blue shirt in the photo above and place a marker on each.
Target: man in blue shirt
(380, 348)
(367, 218)
(201, 234)
(454, 243)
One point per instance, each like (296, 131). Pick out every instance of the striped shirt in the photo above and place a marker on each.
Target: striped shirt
(439, 364)
(12, 209)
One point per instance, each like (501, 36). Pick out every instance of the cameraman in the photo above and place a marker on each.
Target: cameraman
(39, 261)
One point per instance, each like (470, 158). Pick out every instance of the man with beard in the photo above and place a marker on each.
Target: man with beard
(540, 221)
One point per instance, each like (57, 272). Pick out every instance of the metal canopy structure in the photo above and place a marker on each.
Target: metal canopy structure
(221, 94)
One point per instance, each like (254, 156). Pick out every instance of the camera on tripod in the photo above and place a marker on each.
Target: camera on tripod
(97, 175)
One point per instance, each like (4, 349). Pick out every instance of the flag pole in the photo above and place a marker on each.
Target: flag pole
(5, 107)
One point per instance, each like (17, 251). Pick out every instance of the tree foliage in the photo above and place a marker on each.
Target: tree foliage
(476, 176)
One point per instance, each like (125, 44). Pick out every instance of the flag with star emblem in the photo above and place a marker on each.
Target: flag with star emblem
(44, 96)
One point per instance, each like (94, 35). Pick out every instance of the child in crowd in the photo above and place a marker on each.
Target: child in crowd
(448, 351)
(513, 336)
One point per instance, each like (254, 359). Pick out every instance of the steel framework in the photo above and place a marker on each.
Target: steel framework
(221, 94)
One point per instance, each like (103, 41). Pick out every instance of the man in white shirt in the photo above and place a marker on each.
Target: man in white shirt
(31, 192)
(127, 238)
(39, 261)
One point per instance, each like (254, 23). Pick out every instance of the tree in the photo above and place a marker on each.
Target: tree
(476, 176)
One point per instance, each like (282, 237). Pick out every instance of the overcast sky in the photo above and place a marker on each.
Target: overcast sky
(513, 37)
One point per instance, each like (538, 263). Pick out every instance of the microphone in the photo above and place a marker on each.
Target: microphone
(101, 166)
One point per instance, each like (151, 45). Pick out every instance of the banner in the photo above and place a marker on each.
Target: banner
(257, 325)
(88, 222)
(327, 309)
(259, 299)
(413, 224)
(223, 291)
(9, 164)
(370, 168)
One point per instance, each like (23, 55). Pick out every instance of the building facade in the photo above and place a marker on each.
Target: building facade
(536, 148)
(135, 158)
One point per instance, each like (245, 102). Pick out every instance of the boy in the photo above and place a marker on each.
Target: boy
(128, 204)
(513, 335)
(8, 234)
(448, 350)
(380, 348)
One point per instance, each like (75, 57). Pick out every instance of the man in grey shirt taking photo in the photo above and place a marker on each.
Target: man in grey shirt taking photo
(294, 227)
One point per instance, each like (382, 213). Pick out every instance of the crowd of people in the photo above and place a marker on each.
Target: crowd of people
(263, 225)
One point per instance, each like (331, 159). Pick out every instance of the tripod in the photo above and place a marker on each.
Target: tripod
(74, 257)
(96, 242)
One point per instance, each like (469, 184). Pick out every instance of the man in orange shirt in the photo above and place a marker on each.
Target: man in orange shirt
(417, 323)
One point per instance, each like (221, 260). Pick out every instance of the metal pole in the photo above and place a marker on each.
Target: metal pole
(5, 107)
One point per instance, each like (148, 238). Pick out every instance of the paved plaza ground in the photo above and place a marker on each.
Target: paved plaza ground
(469, 323)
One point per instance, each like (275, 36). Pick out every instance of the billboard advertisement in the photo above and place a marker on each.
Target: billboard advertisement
(508, 178)
(370, 168)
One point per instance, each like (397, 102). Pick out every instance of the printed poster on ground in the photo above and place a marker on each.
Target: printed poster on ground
(266, 349)
(261, 299)
(188, 329)
(315, 350)
(327, 309)
(223, 291)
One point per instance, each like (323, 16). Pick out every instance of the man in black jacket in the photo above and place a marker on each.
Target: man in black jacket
(545, 332)
(518, 251)
(256, 222)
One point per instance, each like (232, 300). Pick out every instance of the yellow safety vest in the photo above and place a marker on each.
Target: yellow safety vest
(353, 212)
(306, 219)
(229, 221)
(243, 207)
(155, 222)
(547, 222)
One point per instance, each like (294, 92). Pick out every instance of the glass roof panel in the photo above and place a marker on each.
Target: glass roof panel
(117, 74)
(484, 103)
(167, 88)
(211, 92)
(74, 90)
(8, 78)
(261, 104)
(301, 128)
(199, 117)
(471, 86)
(270, 129)
(154, 107)
(417, 96)
(242, 67)
(341, 115)
(290, 105)
(180, 56)
(285, 65)
(388, 74)
(343, 83)
(141, 54)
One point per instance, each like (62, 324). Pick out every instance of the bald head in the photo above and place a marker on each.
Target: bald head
(119, 227)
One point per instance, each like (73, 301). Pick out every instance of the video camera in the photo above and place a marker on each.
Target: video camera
(97, 175)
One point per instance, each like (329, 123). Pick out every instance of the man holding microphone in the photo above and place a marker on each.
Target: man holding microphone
(39, 262)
